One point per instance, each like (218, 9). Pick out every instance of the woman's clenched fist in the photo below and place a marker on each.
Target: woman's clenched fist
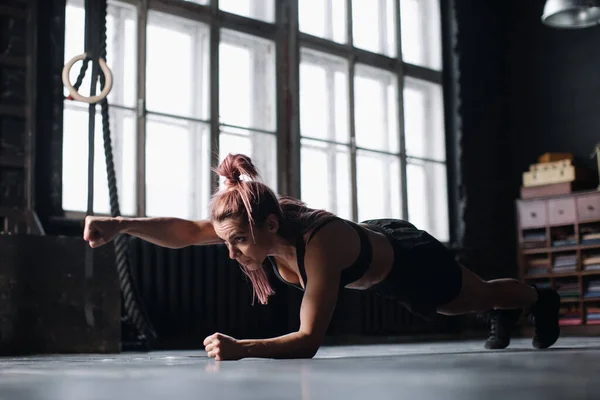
(223, 347)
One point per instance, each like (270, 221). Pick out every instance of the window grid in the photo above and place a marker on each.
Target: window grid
(287, 133)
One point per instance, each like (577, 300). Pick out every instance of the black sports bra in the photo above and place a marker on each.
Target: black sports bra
(350, 274)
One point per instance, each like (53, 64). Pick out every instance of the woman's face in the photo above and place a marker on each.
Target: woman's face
(247, 250)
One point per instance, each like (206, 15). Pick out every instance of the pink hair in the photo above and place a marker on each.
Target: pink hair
(248, 200)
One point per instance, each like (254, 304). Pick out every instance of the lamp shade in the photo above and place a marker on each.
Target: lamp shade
(571, 14)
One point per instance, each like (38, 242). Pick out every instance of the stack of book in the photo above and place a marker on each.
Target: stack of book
(543, 285)
(532, 240)
(564, 240)
(569, 316)
(564, 263)
(591, 262)
(593, 290)
(568, 290)
(590, 238)
(538, 266)
(593, 315)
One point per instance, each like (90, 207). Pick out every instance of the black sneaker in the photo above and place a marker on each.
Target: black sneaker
(545, 314)
(501, 323)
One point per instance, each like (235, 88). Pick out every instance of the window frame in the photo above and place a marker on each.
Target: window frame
(289, 41)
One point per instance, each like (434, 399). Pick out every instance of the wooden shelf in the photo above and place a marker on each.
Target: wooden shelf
(591, 299)
(560, 249)
(562, 275)
(569, 300)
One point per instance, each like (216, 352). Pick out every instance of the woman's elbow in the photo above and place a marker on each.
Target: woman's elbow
(311, 348)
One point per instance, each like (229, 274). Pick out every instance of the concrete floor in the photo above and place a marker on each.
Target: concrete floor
(456, 370)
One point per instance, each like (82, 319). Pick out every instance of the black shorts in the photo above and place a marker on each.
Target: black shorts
(425, 274)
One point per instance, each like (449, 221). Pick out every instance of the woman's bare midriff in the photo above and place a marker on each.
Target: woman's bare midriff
(381, 263)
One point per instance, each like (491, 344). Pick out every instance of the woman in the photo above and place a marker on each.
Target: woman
(320, 253)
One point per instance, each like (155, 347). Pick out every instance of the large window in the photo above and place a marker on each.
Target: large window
(247, 100)
(121, 58)
(325, 172)
(177, 147)
(174, 143)
(365, 97)
(386, 148)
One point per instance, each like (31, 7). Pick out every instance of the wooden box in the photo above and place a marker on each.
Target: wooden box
(549, 157)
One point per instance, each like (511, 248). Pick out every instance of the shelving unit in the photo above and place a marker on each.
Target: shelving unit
(559, 247)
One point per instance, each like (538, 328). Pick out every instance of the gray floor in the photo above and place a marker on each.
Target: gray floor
(457, 370)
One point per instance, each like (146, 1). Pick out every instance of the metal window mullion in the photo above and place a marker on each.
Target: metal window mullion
(351, 119)
(401, 132)
(294, 161)
(142, 22)
(281, 94)
(423, 73)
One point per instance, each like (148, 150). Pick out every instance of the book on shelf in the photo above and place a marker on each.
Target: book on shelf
(564, 242)
(537, 271)
(564, 263)
(534, 240)
(543, 285)
(568, 268)
(569, 316)
(569, 321)
(568, 290)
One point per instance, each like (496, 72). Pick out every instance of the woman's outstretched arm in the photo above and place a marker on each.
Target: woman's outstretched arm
(163, 231)
(318, 304)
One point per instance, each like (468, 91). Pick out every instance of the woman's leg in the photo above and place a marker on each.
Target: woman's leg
(477, 295)
(507, 298)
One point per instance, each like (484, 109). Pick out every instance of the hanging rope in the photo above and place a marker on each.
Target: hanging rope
(131, 298)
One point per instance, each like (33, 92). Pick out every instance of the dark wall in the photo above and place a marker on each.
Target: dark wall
(524, 89)
(554, 79)
(486, 190)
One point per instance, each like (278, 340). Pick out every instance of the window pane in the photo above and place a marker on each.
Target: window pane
(373, 26)
(323, 97)
(326, 181)
(260, 147)
(75, 160)
(258, 9)
(177, 168)
(121, 49)
(177, 66)
(428, 197)
(424, 119)
(74, 42)
(246, 81)
(323, 18)
(421, 33)
(376, 109)
(378, 182)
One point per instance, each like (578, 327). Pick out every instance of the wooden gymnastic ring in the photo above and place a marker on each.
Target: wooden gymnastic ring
(74, 94)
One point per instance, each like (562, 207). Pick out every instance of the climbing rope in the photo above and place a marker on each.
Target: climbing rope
(131, 298)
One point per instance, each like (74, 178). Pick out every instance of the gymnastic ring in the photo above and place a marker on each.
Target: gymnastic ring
(74, 94)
